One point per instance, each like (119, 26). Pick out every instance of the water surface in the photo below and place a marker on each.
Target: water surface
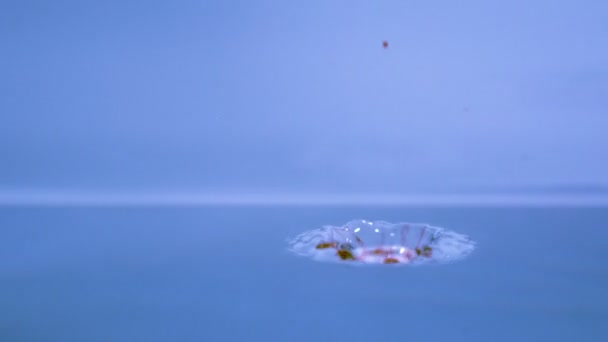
(224, 274)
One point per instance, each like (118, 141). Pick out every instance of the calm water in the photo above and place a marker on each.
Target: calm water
(223, 274)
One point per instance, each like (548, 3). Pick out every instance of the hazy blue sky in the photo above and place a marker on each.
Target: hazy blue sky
(300, 96)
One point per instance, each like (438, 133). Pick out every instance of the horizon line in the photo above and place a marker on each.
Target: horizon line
(83, 199)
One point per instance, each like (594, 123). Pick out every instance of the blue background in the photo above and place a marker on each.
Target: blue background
(215, 96)
(153, 108)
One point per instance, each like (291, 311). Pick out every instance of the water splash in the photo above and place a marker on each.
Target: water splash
(380, 242)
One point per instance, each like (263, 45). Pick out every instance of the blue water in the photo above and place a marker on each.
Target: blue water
(224, 274)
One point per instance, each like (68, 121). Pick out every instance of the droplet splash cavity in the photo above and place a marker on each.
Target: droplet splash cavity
(378, 242)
